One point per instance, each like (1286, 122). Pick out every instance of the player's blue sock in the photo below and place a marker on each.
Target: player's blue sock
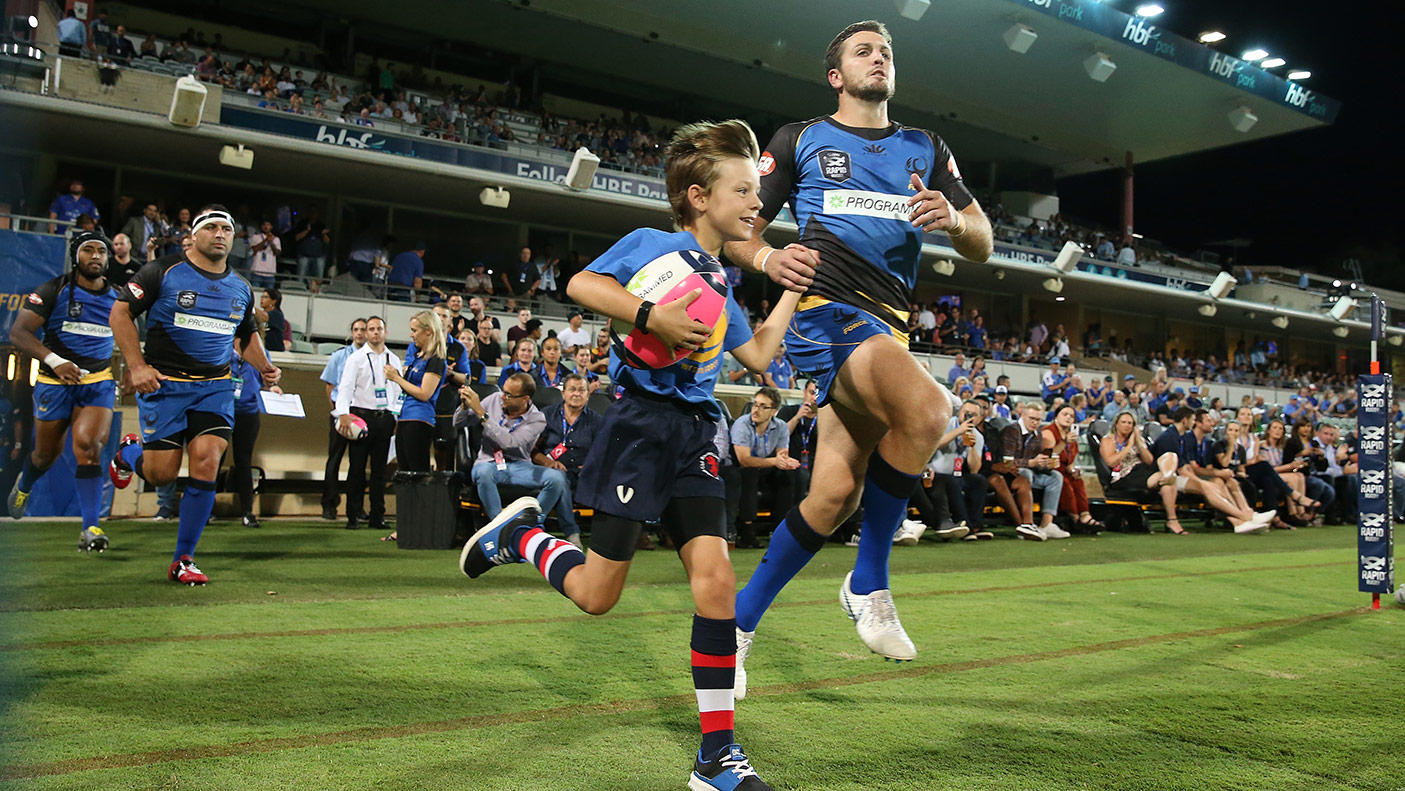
(89, 487)
(885, 495)
(29, 474)
(793, 543)
(196, 506)
(131, 456)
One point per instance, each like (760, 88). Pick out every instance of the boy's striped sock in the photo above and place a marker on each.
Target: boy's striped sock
(552, 556)
(714, 675)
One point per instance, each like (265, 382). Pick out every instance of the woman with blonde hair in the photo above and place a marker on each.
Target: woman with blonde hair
(424, 373)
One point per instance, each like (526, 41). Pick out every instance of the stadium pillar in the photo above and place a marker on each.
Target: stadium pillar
(1127, 200)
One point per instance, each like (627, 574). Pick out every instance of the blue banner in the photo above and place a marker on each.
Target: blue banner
(1145, 35)
(1375, 548)
(26, 260)
(333, 133)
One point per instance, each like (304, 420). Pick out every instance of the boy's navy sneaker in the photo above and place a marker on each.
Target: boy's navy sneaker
(729, 770)
(492, 545)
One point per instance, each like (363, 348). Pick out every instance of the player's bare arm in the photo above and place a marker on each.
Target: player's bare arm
(969, 229)
(23, 337)
(792, 266)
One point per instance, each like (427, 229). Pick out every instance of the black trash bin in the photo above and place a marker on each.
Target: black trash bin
(426, 508)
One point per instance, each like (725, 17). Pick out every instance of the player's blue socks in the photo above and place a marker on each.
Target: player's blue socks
(131, 456)
(89, 487)
(885, 495)
(793, 543)
(196, 507)
(29, 474)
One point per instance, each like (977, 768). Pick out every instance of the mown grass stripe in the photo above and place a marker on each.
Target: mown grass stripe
(351, 630)
(127, 760)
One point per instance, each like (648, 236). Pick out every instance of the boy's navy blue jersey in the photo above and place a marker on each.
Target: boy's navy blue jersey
(693, 378)
(75, 324)
(849, 189)
(192, 315)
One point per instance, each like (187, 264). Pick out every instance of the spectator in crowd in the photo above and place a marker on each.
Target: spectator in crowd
(1024, 445)
(1292, 470)
(147, 226)
(478, 281)
(1127, 256)
(68, 206)
(73, 35)
(366, 251)
(457, 321)
(1137, 408)
(956, 467)
(1053, 381)
(489, 351)
(1197, 475)
(761, 443)
(407, 272)
(1262, 475)
(313, 238)
(581, 361)
(1341, 472)
(570, 432)
(550, 372)
(99, 32)
(264, 249)
(1061, 443)
(1132, 468)
(548, 270)
(780, 375)
(1165, 413)
(574, 335)
(1000, 403)
(458, 371)
(336, 442)
(148, 46)
(270, 314)
(1011, 489)
(976, 334)
(1098, 394)
(1117, 403)
(512, 426)
(365, 392)
(420, 379)
(1311, 460)
(600, 355)
(524, 361)
(520, 330)
(958, 369)
(801, 420)
(520, 278)
(1105, 249)
(122, 266)
(478, 317)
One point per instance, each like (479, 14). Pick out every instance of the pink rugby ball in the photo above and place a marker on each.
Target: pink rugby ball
(666, 278)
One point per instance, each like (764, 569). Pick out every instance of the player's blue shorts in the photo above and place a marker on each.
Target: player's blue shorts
(823, 334)
(166, 415)
(57, 402)
(649, 451)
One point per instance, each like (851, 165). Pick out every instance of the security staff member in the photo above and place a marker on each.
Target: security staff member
(365, 392)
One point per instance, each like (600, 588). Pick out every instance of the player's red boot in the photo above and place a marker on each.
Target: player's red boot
(186, 572)
(117, 469)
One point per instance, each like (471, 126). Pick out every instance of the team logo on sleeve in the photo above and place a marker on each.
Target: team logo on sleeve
(951, 166)
(767, 164)
(186, 299)
(75, 310)
(136, 290)
(35, 299)
(835, 165)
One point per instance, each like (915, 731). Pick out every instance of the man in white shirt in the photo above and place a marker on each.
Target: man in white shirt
(336, 441)
(575, 335)
(264, 249)
(365, 392)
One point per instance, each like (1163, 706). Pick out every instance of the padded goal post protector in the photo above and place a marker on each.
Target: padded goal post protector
(1374, 535)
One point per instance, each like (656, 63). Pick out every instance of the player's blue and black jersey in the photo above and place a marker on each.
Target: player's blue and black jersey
(416, 366)
(75, 326)
(192, 316)
(849, 189)
(692, 378)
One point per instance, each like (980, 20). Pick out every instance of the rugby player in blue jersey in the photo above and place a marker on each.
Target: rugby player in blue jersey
(864, 189)
(74, 387)
(654, 457)
(195, 303)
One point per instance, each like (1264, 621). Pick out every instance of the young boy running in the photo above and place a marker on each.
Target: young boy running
(655, 457)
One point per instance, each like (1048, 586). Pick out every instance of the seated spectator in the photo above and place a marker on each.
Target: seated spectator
(520, 330)
(1166, 411)
(582, 368)
(1061, 443)
(1117, 403)
(1300, 452)
(956, 467)
(761, 443)
(270, 314)
(1000, 405)
(600, 355)
(1187, 437)
(1132, 467)
(477, 369)
(780, 375)
(1053, 381)
(489, 351)
(148, 46)
(512, 425)
(958, 370)
(550, 372)
(1024, 445)
(1341, 472)
(524, 360)
(564, 443)
(574, 335)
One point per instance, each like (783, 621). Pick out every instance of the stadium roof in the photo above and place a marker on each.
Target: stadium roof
(1169, 95)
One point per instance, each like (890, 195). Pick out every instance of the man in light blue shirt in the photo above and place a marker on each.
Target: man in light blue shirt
(336, 443)
(73, 35)
(761, 442)
(958, 369)
(1115, 406)
(780, 374)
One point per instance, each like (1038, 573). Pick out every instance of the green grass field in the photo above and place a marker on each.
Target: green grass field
(325, 659)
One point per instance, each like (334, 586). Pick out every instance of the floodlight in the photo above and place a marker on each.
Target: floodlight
(583, 167)
(1395, 339)
(1254, 54)
(1224, 281)
(1020, 38)
(239, 157)
(913, 9)
(1281, 322)
(1149, 10)
(1099, 66)
(1272, 63)
(1068, 257)
(1300, 74)
(1211, 36)
(1341, 332)
(1207, 310)
(1343, 308)
(1054, 284)
(944, 267)
(497, 197)
(1242, 118)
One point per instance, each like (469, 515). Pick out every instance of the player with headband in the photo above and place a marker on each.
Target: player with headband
(74, 387)
(195, 303)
